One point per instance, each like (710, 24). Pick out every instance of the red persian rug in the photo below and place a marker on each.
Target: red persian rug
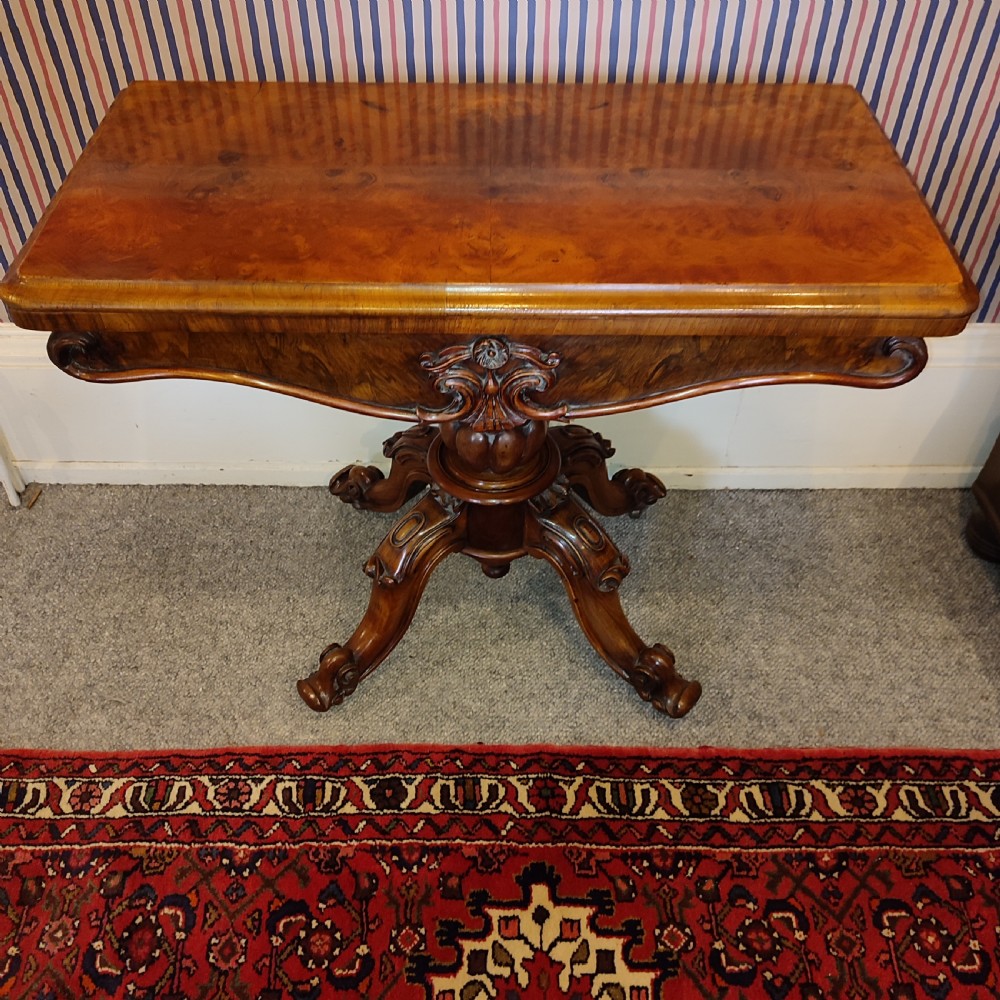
(474, 873)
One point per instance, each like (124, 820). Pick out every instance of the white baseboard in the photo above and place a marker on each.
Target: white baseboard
(902, 477)
(272, 474)
(934, 432)
(161, 474)
(977, 345)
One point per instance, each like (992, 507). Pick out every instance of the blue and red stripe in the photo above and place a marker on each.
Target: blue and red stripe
(928, 68)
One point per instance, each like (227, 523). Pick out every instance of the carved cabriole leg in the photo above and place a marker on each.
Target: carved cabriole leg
(592, 568)
(400, 569)
(365, 488)
(584, 464)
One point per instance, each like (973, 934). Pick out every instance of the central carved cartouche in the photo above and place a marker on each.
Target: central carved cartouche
(494, 422)
(491, 382)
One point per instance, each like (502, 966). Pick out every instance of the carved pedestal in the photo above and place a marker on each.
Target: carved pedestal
(500, 484)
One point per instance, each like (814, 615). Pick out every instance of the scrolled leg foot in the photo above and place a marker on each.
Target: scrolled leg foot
(366, 488)
(399, 568)
(353, 484)
(642, 489)
(592, 568)
(654, 678)
(584, 465)
(336, 677)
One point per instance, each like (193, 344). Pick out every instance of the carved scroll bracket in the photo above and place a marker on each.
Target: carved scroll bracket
(491, 382)
(494, 423)
(79, 353)
(912, 352)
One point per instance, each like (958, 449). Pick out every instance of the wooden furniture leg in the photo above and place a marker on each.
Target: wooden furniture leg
(584, 464)
(592, 568)
(364, 486)
(399, 569)
(530, 510)
(502, 482)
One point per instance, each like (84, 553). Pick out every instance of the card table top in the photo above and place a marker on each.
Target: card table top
(520, 209)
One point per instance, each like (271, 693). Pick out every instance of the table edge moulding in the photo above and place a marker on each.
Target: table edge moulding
(490, 263)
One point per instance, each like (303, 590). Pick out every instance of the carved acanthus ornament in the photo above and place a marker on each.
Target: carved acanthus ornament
(494, 422)
(491, 382)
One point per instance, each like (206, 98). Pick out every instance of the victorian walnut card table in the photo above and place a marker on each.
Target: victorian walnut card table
(488, 264)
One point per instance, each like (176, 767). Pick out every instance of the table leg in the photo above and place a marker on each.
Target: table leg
(584, 464)
(982, 537)
(400, 569)
(494, 516)
(364, 486)
(560, 531)
(983, 530)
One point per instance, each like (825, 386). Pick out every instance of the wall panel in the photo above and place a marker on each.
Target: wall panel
(929, 68)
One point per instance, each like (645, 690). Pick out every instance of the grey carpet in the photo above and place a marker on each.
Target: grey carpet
(182, 616)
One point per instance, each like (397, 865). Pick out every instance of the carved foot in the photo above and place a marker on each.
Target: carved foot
(560, 531)
(336, 677)
(654, 677)
(366, 488)
(584, 464)
(400, 569)
(353, 484)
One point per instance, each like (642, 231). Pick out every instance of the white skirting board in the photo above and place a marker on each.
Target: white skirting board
(934, 432)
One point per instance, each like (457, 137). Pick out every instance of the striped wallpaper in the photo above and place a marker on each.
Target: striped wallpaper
(929, 68)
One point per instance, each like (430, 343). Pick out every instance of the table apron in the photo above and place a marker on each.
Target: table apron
(387, 375)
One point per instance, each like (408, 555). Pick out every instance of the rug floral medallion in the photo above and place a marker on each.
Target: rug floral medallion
(482, 873)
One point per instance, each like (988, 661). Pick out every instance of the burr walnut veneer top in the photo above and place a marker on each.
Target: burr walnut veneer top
(589, 209)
